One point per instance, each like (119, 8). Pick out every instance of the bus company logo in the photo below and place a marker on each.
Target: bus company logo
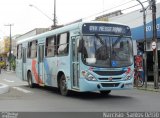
(110, 78)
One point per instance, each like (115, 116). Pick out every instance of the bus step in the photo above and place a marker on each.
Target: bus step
(41, 84)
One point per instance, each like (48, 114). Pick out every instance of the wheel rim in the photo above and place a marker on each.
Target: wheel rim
(29, 80)
(63, 85)
(140, 83)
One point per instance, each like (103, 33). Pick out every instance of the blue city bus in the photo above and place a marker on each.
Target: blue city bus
(83, 57)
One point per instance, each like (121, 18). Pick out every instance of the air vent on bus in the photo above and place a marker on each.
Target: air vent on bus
(108, 73)
(110, 84)
(107, 78)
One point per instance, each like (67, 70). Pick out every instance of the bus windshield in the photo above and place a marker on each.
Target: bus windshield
(107, 51)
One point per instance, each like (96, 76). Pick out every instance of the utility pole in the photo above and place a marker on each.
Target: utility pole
(55, 20)
(10, 46)
(155, 52)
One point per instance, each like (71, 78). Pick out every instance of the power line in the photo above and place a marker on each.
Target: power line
(133, 6)
(108, 9)
(115, 7)
(136, 18)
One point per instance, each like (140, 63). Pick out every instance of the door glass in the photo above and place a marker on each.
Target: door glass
(75, 62)
(24, 55)
(41, 53)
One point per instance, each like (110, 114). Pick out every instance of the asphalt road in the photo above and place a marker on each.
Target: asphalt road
(21, 98)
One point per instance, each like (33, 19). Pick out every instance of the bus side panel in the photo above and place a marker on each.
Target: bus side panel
(50, 71)
(63, 64)
(36, 78)
(24, 73)
(19, 68)
(32, 66)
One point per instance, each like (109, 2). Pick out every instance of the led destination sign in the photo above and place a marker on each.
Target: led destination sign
(93, 28)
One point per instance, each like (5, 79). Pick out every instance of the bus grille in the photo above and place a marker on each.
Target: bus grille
(110, 84)
(109, 73)
(107, 78)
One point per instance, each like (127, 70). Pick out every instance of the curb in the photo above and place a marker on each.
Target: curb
(3, 88)
(148, 89)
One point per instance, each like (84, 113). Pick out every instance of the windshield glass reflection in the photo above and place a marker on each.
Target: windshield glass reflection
(107, 51)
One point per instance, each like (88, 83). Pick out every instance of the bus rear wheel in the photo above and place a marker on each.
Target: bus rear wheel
(105, 92)
(63, 86)
(30, 81)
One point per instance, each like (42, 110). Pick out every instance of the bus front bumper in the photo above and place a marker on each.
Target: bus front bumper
(86, 85)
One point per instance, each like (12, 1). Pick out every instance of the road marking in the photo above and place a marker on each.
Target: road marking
(9, 71)
(4, 88)
(22, 90)
(8, 80)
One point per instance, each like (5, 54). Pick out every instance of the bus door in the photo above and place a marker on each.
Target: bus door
(75, 63)
(19, 62)
(40, 64)
(24, 70)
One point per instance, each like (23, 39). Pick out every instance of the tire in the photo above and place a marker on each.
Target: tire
(105, 93)
(140, 82)
(30, 81)
(63, 86)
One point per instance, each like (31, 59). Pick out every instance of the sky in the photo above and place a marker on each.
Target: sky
(25, 18)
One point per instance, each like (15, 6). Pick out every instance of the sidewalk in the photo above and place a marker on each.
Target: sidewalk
(150, 87)
(3, 88)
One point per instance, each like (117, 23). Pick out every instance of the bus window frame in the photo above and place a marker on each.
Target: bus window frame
(30, 50)
(19, 50)
(54, 46)
(67, 43)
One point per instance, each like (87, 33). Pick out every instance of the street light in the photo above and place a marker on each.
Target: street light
(53, 20)
(10, 46)
(145, 41)
(31, 5)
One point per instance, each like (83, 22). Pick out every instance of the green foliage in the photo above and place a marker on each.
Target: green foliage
(13, 62)
(2, 64)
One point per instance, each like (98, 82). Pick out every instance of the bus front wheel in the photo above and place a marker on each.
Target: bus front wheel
(63, 86)
(30, 81)
(105, 92)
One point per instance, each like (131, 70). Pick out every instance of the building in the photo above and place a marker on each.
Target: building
(135, 21)
(4, 46)
(32, 33)
(5, 42)
(4, 49)
(105, 17)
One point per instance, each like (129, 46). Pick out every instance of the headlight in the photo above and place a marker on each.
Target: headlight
(129, 75)
(88, 76)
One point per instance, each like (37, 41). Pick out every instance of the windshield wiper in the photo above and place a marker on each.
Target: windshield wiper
(117, 41)
(104, 45)
(100, 39)
(119, 38)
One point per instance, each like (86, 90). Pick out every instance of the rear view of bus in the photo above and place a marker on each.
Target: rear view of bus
(106, 57)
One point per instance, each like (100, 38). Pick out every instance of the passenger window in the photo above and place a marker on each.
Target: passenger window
(50, 46)
(63, 44)
(32, 49)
